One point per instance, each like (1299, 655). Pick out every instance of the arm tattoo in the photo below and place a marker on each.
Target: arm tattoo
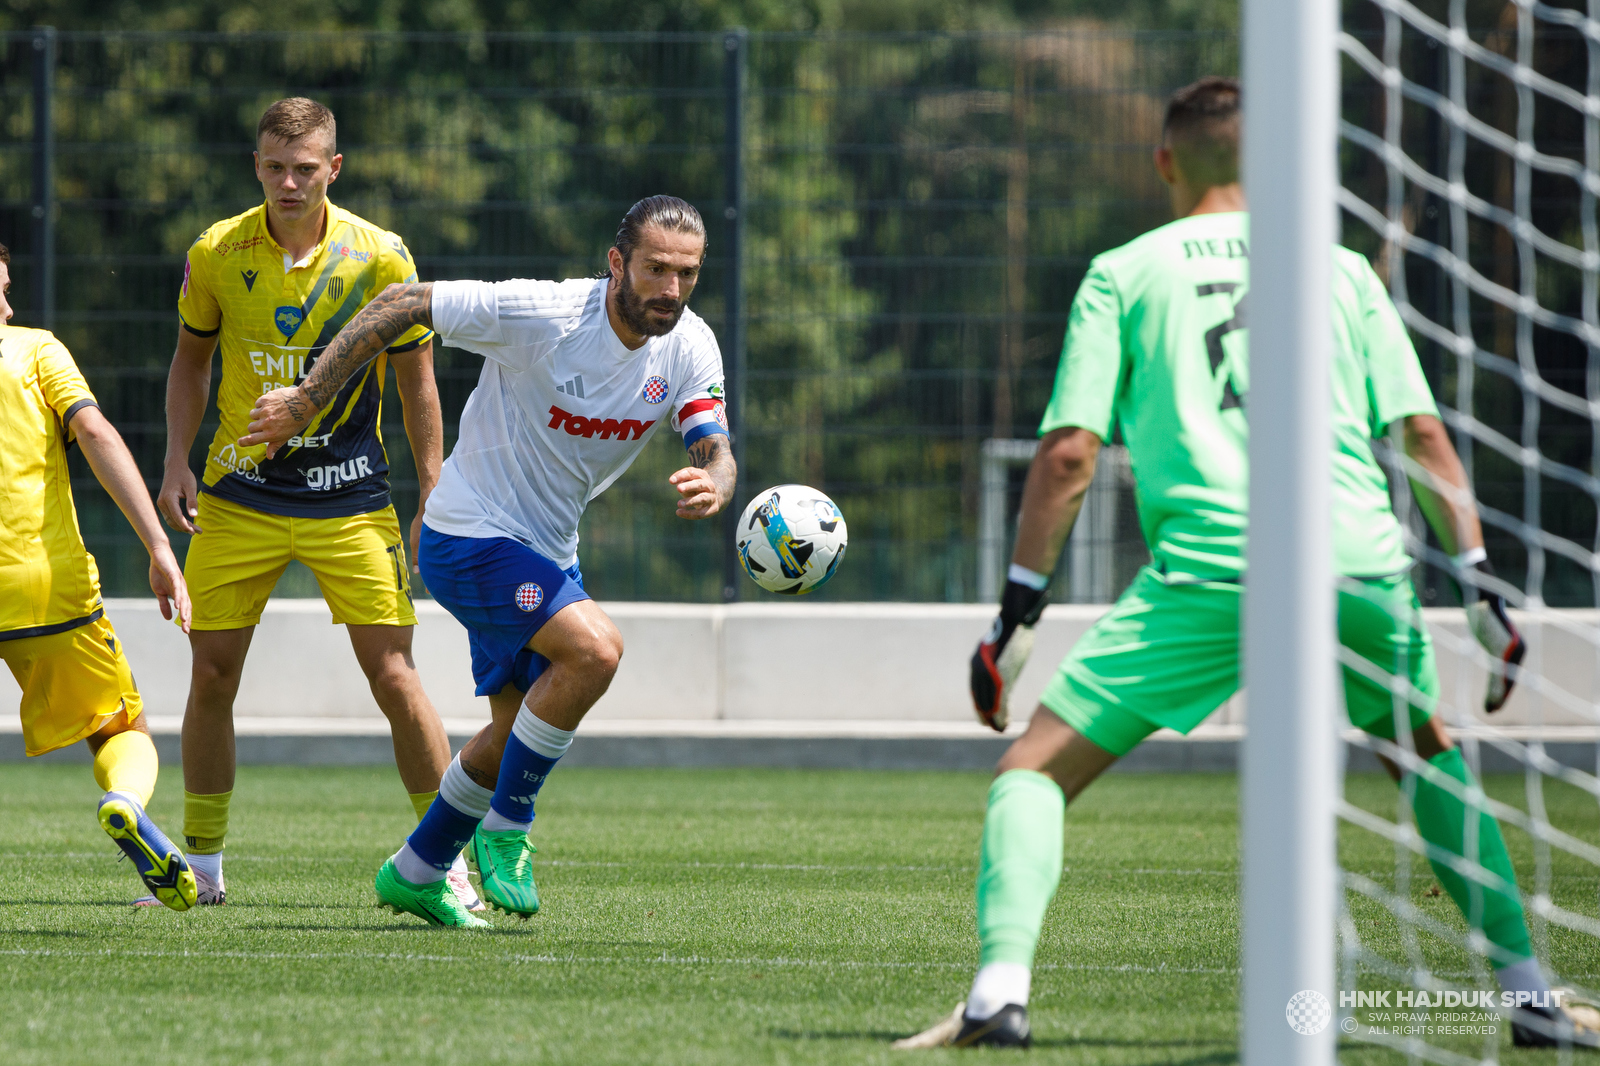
(714, 455)
(392, 312)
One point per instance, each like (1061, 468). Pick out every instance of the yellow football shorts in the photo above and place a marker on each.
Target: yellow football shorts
(72, 684)
(359, 562)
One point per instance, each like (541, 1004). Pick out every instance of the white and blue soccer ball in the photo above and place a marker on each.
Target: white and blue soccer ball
(791, 539)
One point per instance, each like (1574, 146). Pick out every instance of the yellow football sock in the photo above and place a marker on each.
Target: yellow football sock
(421, 801)
(205, 821)
(128, 763)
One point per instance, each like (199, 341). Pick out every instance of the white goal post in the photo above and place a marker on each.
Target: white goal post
(1290, 759)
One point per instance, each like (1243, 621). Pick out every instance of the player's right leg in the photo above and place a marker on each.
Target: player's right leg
(217, 662)
(1019, 870)
(231, 569)
(532, 630)
(125, 765)
(1162, 656)
(77, 685)
(489, 791)
(580, 649)
(417, 879)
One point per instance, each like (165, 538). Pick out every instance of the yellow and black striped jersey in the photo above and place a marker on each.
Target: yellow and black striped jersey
(48, 582)
(275, 317)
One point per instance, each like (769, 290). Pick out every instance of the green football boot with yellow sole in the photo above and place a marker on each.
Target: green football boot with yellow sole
(504, 859)
(434, 903)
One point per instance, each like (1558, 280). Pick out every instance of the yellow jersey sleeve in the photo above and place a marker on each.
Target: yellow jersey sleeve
(399, 268)
(61, 382)
(197, 301)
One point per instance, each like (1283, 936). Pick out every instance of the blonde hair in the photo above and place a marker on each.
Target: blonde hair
(297, 117)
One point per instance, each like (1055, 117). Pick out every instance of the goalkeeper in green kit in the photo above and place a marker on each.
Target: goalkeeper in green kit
(1156, 344)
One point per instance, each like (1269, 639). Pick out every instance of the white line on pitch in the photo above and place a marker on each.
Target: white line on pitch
(596, 864)
(600, 960)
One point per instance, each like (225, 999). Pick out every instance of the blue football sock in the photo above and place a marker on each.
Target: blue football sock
(451, 818)
(531, 753)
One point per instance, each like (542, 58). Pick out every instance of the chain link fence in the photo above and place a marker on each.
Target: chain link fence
(897, 222)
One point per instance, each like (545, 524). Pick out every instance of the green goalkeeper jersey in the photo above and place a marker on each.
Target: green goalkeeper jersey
(1156, 343)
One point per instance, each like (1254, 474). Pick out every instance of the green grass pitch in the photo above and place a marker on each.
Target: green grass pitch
(689, 917)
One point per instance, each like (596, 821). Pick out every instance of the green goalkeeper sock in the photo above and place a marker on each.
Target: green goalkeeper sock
(1021, 864)
(1442, 819)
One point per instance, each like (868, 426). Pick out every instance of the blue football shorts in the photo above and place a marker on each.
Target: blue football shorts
(503, 592)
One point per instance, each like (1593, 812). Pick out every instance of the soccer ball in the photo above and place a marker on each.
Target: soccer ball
(791, 539)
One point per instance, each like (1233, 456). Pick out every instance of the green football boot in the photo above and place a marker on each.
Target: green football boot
(434, 903)
(504, 859)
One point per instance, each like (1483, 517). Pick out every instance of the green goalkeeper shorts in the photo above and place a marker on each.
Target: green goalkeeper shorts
(1167, 655)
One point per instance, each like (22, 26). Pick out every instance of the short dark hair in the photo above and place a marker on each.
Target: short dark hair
(5, 255)
(668, 212)
(1201, 128)
(296, 117)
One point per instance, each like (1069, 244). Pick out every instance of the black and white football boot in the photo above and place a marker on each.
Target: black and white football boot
(1007, 1028)
(1575, 1024)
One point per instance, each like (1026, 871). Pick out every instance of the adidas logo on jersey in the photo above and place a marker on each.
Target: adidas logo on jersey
(573, 387)
(608, 428)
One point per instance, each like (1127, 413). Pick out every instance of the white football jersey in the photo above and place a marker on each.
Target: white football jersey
(561, 408)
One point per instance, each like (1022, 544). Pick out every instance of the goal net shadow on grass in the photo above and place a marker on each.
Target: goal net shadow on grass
(1470, 170)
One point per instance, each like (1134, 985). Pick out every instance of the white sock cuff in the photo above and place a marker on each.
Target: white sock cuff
(495, 822)
(996, 985)
(1524, 976)
(540, 735)
(414, 868)
(462, 792)
(1031, 578)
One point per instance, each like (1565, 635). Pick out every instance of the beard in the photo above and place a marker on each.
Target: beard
(635, 311)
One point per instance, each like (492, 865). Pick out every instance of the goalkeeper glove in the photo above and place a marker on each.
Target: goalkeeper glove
(1004, 652)
(1491, 624)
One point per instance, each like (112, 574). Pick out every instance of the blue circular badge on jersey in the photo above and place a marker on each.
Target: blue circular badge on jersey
(288, 320)
(655, 390)
(529, 596)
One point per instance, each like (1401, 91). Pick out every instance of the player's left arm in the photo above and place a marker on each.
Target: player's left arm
(1441, 489)
(282, 413)
(706, 488)
(113, 465)
(419, 399)
(1401, 398)
(1440, 483)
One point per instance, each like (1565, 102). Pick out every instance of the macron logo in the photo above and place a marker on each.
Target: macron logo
(579, 426)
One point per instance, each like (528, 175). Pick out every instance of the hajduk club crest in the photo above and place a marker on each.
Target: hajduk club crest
(529, 596)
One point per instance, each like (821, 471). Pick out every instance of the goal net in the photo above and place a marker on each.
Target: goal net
(1469, 159)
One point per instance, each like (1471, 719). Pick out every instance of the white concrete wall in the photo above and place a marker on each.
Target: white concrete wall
(766, 662)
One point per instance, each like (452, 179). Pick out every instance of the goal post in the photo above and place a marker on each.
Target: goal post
(1289, 772)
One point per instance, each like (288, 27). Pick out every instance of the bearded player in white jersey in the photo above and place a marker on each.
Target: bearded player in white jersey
(578, 376)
